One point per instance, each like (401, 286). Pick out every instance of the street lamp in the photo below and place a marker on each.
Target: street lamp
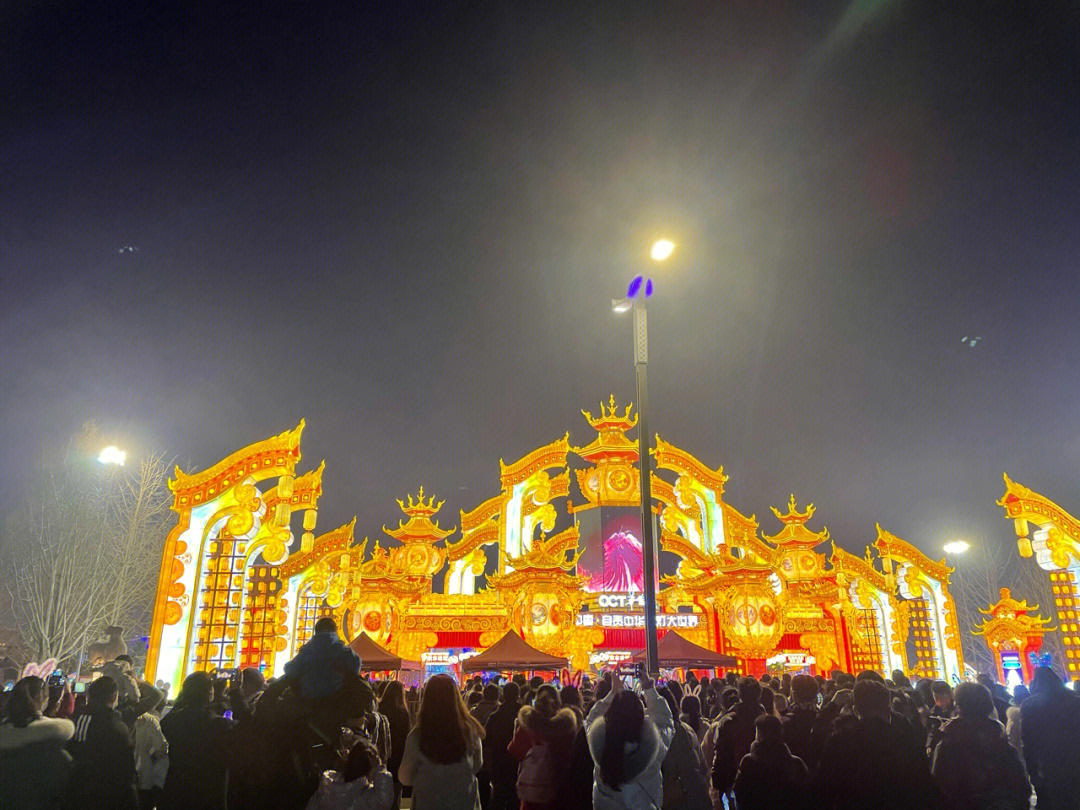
(955, 547)
(112, 455)
(636, 294)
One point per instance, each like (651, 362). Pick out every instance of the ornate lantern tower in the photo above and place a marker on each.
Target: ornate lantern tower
(1013, 632)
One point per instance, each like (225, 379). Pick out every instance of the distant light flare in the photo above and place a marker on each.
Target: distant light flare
(112, 455)
(956, 547)
(662, 249)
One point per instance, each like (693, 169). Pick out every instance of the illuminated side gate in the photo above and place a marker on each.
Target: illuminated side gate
(923, 647)
(218, 621)
(869, 655)
(263, 617)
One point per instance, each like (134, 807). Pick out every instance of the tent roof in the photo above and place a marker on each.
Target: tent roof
(374, 657)
(512, 652)
(675, 651)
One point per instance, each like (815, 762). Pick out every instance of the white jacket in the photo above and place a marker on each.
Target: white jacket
(437, 786)
(151, 752)
(645, 789)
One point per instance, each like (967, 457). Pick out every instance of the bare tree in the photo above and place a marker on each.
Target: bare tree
(83, 550)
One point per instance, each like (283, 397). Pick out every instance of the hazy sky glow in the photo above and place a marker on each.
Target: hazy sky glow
(408, 228)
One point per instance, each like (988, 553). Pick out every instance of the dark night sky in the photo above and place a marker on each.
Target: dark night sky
(407, 226)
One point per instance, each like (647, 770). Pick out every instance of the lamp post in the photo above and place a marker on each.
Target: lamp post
(636, 294)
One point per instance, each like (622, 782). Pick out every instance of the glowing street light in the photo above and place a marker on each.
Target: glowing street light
(639, 290)
(662, 249)
(112, 455)
(956, 547)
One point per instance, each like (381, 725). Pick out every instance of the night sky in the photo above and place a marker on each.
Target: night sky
(407, 225)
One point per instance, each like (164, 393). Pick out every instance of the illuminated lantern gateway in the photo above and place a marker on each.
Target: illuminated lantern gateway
(1051, 535)
(1014, 633)
(555, 555)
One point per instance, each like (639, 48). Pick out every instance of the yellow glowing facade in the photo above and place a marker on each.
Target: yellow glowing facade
(237, 588)
(1051, 535)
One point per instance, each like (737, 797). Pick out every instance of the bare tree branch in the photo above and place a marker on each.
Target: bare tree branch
(83, 550)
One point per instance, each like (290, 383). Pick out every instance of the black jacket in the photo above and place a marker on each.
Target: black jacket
(799, 722)
(400, 726)
(499, 731)
(734, 734)
(198, 759)
(977, 769)
(103, 763)
(1048, 727)
(872, 763)
(770, 778)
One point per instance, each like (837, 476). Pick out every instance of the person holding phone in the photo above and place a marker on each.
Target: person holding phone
(628, 743)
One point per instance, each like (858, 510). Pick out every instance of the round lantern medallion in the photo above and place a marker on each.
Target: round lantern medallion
(539, 614)
(372, 621)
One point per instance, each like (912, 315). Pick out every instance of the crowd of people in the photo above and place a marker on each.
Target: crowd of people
(323, 737)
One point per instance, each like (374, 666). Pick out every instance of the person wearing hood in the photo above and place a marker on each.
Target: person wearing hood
(542, 743)
(33, 762)
(770, 777)
(628, 746)
(974, 766)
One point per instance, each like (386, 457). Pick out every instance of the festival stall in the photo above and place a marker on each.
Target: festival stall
(374, 658)
(676, 652)
(512, 653)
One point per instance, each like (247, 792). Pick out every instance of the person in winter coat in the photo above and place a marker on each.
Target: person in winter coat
(198, 749)
(628, 746)
(542, 744)
(33, 763)
(734, 734)
(103, 769)
(869, 762)
(151, 759)
(973, 764)
(1012, 719)
(498, 733)
(691, 715)
(443, 753)
(393, 707)
(1048, 723)
(770, 777)
(800, 719)
(321, 664)
(488, 703)
(363, 784)
(683, 769)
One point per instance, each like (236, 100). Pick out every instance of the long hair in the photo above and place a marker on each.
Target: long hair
(393, 697)
(691, 707)
(447, 730)
(623, 721)
(26, 699)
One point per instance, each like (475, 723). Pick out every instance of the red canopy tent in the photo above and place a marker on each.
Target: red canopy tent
(375, 658)
(675, 651)
(511, 652)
